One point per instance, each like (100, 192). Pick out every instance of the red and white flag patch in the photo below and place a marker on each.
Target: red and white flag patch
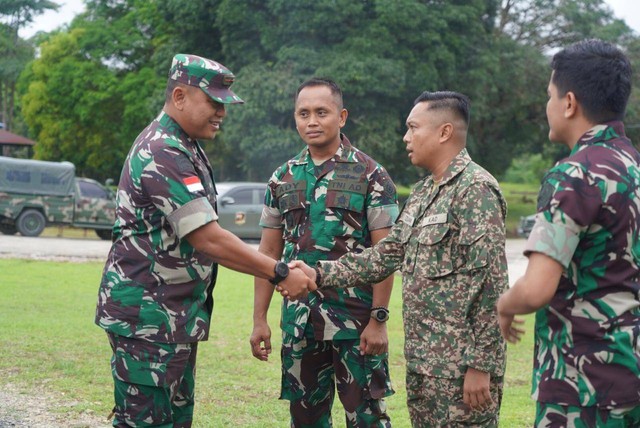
(193, 184)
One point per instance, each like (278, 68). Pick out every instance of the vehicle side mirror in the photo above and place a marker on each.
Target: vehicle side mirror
(227, 200)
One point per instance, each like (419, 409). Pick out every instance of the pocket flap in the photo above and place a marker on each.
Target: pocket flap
(433, 234)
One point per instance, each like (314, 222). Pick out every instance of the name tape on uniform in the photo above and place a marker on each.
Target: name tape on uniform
(435, 219)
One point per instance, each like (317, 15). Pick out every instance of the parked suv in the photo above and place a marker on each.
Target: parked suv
(240, 206)
(525, 225)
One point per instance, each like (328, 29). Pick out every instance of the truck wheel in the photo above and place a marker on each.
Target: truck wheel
(8, 229)
(104, 234)
(31, 223)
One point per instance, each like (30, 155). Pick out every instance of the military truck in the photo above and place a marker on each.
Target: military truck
(35, 194)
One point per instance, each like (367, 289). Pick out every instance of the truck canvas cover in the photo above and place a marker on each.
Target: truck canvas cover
(36, 177)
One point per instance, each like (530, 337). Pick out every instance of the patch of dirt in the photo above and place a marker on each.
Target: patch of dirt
(21, 408)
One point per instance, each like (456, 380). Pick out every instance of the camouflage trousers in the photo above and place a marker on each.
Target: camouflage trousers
(311, 371)
(438, 402)
(549, 415)
(154, 382)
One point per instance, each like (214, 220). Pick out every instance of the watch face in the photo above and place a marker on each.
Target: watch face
(381, 315)
(282, 270)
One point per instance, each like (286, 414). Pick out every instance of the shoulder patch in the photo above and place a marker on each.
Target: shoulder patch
(184, 164)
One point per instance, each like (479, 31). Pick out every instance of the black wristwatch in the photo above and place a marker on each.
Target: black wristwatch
(282, 271)
(380, 314)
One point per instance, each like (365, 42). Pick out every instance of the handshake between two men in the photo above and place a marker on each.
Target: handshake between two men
(296, 290)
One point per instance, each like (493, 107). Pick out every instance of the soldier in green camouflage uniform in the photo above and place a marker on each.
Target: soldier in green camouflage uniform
(155, 298)
(583, 275)
(328, 200)
(449, 243)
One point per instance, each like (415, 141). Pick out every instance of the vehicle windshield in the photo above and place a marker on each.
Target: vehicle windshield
(223, 188)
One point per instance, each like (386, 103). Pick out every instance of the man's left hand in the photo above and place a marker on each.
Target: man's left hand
(374, 339)
(476, 389)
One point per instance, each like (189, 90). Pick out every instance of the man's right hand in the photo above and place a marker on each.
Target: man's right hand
(261, 340)
(295, 286)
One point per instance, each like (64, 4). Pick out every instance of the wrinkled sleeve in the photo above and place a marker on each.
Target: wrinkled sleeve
(568, 203)
(372, 265)
(482, 236)
(382, 200)
(271, 217)
(173, 186)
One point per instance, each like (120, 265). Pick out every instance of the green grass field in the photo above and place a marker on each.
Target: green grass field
(49, 342)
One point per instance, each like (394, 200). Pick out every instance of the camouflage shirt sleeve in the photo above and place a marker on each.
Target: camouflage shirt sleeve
(382, 200)
(173, 186)
(567, 205)
(481, 211)
(371, 266)
(271, 217)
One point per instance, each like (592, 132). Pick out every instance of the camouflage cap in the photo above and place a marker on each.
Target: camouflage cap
(212, 77)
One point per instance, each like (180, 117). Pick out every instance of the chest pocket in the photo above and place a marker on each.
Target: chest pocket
(348, 207)
(292, 206)
(435, 253)
(473, 250)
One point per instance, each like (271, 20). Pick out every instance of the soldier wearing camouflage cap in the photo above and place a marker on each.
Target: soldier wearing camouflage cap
(155, 299)
(329, 199)
(583, 276)
(449, 243)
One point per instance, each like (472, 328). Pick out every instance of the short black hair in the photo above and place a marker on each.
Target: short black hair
(599, 75)
(322, 81)
(171, 85)
(454, 101)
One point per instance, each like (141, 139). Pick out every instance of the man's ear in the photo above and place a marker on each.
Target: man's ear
(343, 117)
(570, 105)
(178, 97)
(445, 132)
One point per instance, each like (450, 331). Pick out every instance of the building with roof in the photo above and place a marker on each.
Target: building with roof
(14, 145)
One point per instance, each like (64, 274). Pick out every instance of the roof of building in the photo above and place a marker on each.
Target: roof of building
(7, 137)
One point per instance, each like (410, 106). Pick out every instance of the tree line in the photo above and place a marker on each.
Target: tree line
(85, 91)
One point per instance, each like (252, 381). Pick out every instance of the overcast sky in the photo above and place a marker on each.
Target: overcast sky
(629, 10)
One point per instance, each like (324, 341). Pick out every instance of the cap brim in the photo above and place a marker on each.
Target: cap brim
(224, 96)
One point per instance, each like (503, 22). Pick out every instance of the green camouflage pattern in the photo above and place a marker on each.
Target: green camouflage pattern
(310, 374)
(210, 76)
(155, 286)
(56, 209)
(551, 415)
(326, 211)
(52, 189)
(587, 349)
(154, 382)
(432, 400)
(93, 213)
(449, 243)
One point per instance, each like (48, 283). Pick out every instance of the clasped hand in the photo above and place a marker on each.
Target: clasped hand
(299, 282)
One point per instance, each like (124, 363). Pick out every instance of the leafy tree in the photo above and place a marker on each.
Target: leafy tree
(18, 13)
(15, 53)
(383, 53)
(64, 93)
(547, 24)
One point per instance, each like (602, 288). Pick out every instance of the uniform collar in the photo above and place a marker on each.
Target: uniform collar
(599, 134)
(457, 165)
(343, 154)
(179, 139)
